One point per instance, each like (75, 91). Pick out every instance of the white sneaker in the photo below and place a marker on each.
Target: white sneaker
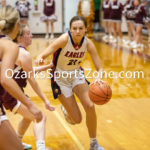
(66, 115)
(111, 37)
(26, 146)
(113, 40)
(132, 43)
(96, 146)
(138, 46)
(126, 42)
(52, 36)
(104, 38)
(46, 36)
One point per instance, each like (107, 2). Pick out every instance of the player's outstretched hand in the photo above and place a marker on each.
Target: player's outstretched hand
(39, 61)
(48, 106)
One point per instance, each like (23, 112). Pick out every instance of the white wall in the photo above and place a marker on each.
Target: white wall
(36, 25)
(70, 10)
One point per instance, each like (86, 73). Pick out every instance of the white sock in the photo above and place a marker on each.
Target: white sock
(93, 140)
(40, 144)
(19, 136)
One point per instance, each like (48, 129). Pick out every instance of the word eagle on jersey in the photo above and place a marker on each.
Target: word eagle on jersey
(74, 54)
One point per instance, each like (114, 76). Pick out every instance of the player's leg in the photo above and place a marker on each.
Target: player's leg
(39, 127)
(52, 29)
(81, 90)
(148, 29)
(118, 24)
(73, 114)
(113, 29)
(8, 137)
(138, 34)
(47, 29)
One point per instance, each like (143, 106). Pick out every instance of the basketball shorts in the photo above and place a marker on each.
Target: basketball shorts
(66, 80)
(10, 103)
(2, 114)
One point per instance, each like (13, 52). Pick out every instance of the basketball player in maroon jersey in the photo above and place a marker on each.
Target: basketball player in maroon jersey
(24, 63)
(9, 25)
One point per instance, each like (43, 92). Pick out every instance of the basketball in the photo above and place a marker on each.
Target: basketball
(100, 92)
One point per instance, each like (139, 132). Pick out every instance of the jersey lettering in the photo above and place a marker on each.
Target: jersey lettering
(74, 54)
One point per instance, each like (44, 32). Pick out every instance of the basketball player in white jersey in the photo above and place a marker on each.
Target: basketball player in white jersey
(9, 25)
(69, 50)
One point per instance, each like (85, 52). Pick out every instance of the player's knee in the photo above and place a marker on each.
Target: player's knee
(38, 116)
(77, 119)
(89, 107)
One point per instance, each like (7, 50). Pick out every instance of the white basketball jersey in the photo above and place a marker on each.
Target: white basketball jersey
(70, 57)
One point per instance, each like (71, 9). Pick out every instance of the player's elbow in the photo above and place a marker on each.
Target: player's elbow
(4, 81)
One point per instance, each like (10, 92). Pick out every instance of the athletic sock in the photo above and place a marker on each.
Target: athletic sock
(19, 136)
(40, 144)
(93, 140)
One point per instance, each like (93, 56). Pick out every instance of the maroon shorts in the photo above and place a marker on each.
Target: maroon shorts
(8, 101)
(2, 112)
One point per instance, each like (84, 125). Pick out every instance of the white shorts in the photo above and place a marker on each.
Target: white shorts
(2, 118)
(16, 107)
(68, 82)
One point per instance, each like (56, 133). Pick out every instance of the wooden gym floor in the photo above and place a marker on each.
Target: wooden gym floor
(123, 123)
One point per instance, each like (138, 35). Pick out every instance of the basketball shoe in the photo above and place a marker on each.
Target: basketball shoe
(66, 115)
(26, 146)
(95, 146)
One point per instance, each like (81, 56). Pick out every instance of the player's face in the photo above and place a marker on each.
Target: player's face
(27, 37)
(3, 2)
(136, 2)
(78, 29)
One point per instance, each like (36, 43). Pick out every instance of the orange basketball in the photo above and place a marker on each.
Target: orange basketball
(100, 92)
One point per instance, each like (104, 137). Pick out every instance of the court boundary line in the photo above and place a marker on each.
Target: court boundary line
(75, 139)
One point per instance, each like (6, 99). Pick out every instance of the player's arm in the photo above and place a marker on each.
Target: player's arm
(58, 43)
(94, 55)
(8, 61)
(43, 68)
(26, 64)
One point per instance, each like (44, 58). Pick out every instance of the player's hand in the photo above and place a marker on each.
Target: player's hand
(39, 61)
(101, 74)
(51, 65)
(48, 106)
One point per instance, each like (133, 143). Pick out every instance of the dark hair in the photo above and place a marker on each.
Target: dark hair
(76, 18)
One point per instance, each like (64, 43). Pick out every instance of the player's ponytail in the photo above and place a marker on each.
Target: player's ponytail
(2, 24)
(8, 19)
